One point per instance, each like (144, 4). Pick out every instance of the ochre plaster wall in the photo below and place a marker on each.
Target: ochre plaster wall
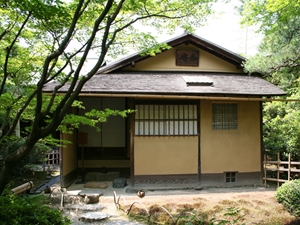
(165, 155)
(231, 150)
(166, 61)
(69, 154)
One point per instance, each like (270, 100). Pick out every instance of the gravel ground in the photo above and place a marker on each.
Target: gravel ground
(119, 217)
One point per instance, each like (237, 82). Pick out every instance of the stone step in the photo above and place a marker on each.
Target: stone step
(91, 196)
(84, 207)
(104, 213)
(93, 216)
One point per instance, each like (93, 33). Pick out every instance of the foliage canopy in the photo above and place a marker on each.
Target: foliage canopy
(278, 60)
(43, 41)
(18, 210)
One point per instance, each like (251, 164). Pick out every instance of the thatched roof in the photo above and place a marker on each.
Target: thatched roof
(206, 84)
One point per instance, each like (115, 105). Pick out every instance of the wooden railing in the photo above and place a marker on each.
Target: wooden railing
(281, 167)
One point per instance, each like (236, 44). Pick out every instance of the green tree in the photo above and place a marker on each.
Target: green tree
(278, 60)
(44, 41)
(279, 51)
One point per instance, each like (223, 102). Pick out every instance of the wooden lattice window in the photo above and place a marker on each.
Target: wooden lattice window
(165, 119)
(225, 116)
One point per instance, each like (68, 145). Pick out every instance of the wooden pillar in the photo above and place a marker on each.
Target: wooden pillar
(82, 139)
(265, 170)
(132, 132)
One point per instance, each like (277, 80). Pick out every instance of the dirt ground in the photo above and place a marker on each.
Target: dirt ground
(257, 205)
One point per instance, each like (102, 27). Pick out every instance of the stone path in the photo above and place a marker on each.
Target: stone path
(98, 213)
(75, 207)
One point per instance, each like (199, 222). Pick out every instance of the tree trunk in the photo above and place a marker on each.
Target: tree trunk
(4, 177)
(11, 161)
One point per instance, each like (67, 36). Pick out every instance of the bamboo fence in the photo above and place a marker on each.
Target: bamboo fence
(280, 167)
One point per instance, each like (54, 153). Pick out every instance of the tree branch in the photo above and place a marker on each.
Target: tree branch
(5, 120)
(49, 58)
(72, 93)
(19, 113)
(53, 94)
(288, 63)
(8, 51)
(8, 29)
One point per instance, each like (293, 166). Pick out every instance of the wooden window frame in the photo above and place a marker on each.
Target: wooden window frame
(166, 119)
(231, 177)
(224, 116)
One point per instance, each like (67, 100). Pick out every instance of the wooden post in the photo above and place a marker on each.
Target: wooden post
(131, 141)
(82, 139)
(265, 170)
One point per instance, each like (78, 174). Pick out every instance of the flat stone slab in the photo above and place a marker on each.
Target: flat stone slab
(82, 207)
(90, 191)
(96, 184)
(93, 216)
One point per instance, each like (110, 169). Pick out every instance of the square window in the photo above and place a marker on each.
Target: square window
(230, 177)
(224, 116)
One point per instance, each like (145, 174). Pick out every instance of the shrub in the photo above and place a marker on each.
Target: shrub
(29, 210)
(289, 195)
(36, 156)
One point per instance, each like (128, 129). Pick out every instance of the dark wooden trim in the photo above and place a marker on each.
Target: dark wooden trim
(68, 179)
(102, 153)
(62, 158)
(127, 134)
(132, 106)
(101, 126)
(179, 135)
(124, 172)
(166, 101)
(199, 139)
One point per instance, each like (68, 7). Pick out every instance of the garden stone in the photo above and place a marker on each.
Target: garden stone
(91, 195)
(90, 199)
(94, 216)
(119, 182)
(82, 207)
